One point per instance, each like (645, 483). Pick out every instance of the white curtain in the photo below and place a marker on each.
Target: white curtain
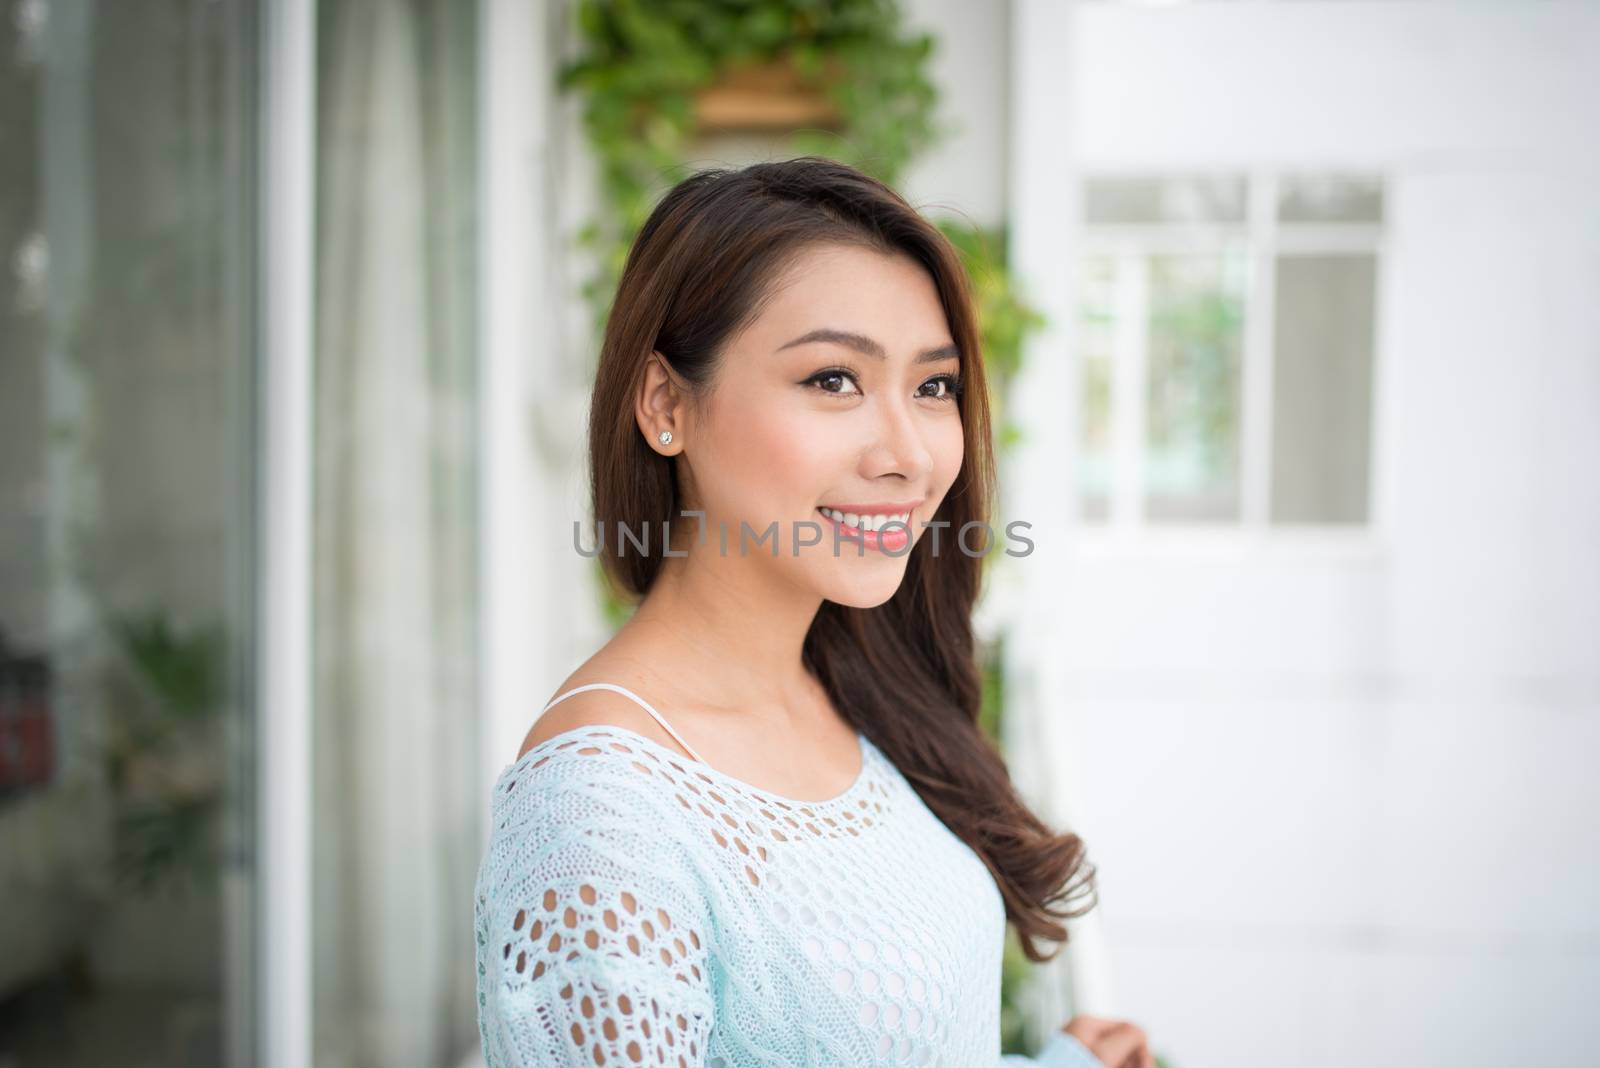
(395, 808)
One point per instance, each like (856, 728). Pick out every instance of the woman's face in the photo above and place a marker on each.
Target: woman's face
(839, 396)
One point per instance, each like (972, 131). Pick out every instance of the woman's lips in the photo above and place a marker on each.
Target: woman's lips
(892, 539)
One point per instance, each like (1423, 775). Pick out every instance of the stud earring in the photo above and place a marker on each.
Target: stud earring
(665, 437)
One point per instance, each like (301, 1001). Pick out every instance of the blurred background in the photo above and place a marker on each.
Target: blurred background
(1294, 314)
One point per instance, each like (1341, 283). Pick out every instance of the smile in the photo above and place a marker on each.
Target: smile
(868, 529)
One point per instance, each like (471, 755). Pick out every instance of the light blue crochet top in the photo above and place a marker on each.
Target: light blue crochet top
(635, 907)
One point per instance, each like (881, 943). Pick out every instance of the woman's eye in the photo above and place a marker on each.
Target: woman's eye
(827, 380)
(951, 383)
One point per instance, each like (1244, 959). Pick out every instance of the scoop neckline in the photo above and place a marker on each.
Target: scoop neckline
(863, 745)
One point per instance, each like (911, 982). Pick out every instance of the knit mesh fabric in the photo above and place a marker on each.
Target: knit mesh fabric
(635, 907)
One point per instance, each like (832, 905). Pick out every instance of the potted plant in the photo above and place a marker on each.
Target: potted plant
(164, 753)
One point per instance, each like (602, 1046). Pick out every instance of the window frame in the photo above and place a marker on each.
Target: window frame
(1265, 238)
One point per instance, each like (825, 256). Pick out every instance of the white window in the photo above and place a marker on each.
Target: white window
(1226, 329)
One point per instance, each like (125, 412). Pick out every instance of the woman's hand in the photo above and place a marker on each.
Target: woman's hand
(1116, 1043)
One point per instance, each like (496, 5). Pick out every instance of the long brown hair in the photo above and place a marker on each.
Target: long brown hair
(903, 673)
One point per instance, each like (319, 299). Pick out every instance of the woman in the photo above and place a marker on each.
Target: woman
(800, 849)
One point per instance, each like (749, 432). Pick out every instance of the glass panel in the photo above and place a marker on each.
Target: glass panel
(1322, 388)
(1330, 198)
(126, 533)
(1199, 199)
(1095, 347)
(398, 832)
(1196, 344)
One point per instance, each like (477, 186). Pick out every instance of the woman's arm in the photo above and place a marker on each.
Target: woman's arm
(592, 934)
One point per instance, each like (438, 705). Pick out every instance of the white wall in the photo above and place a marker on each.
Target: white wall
(1340, 792)
(965, 173)
(541, 610)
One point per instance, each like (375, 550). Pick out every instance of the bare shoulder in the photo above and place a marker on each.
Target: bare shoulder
(598, 707)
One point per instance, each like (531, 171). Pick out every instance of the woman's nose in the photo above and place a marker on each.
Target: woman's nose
(898, 445)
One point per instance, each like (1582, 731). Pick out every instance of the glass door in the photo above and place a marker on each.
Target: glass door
(126, 532)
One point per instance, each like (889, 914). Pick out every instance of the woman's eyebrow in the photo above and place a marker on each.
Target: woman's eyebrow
(868, 347)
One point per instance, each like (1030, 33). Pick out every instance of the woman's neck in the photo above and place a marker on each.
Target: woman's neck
(724, 625)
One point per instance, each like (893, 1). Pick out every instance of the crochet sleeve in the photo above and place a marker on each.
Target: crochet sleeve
(1060, 1050)
(592, 928)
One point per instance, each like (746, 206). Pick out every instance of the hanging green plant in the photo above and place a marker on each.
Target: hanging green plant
(1004, 318)
(650, 75)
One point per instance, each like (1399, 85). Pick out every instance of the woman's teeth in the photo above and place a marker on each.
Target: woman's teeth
(866, 522)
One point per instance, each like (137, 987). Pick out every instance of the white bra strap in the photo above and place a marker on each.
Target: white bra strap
(642, 704)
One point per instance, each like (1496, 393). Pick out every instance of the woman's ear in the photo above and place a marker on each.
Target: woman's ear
(660, 405)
